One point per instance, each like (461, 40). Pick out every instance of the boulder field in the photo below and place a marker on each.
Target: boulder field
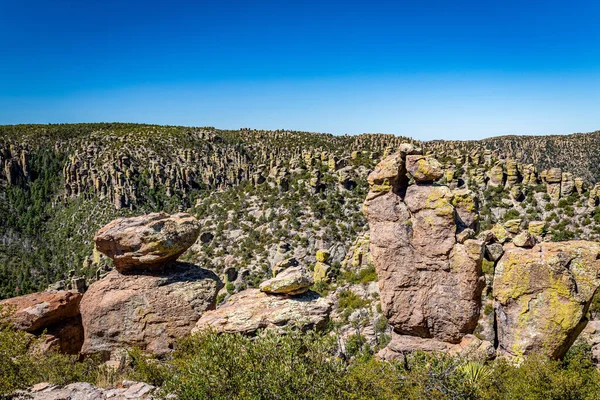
(429, 266)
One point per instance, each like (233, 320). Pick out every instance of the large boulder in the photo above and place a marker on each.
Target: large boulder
(250, 310)
(430, 284)
(36, 311)
(149, 311)
(147, 242)
(542, 294)
(292, 281)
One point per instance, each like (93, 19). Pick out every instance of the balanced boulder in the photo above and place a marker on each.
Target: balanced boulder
(294, 280)
(148, 241)
(424, 168)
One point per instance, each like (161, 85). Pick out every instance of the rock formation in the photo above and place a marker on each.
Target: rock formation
(430, 284)
(156, 300)
(86, 391)
(429, 267)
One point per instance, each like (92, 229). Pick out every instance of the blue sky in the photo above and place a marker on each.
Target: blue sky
(427, 69)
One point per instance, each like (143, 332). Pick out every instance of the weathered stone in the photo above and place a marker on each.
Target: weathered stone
(493, 251)
(322, 255)
(87, 391)
(512, 172)
(149, 311)
(147, 242)
(284, 264)
(487, 237)
(541, 296)
(464, 235)
(567, 184)
(466, 205)
(553, 175)
(513, 226)
(388, 175)
(36, 311)
(294, 280)
(322, 272)
(579, 185)
(500, 233)
(496, 175)
(424, 168)
(469, 347)
(537, 228)
(524, 239)
(250, 310)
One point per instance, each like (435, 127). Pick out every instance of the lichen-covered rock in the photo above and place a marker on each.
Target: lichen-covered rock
(542, 294)
(148, 241)
(388, 175)
(524, 239)
(37, 311)
(513, 226)
(537, 228)
(322, 272)
(424, 168)
(150, 311)
(500, 233)
(496, 175)
(322, 255)
(250, 310)
(294, 280)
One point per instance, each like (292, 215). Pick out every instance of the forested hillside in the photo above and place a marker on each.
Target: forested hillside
(263, 197)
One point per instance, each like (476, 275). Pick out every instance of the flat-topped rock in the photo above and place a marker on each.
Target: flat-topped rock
(148, 241)
(250, 310)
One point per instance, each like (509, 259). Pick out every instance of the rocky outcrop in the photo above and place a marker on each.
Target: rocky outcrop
(53, 317)
(148, 241)
(430, 284)
(250, 310)
(542, 294)
(37, 311)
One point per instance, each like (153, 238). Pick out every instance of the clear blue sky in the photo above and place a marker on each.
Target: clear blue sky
(427, 69)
